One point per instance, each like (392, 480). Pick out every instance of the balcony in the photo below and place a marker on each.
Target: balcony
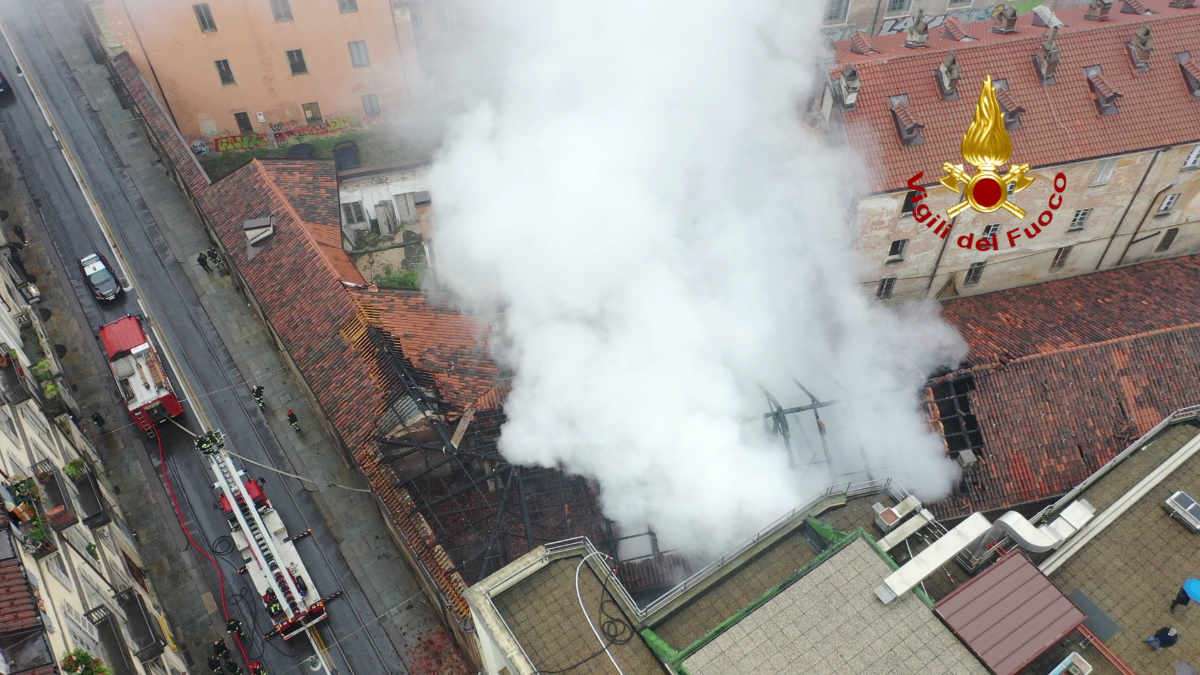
(92, 504)
(59, 511)
(116, 651)
(15, 384)
(144, 631)
(27, 510)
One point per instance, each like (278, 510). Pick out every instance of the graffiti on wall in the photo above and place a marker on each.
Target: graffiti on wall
(292, 129)
(239, 142)
(903, 23)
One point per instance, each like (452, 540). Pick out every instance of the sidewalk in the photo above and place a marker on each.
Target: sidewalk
(353, 518)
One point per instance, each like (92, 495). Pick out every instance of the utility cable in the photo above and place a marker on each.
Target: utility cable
(617, 629)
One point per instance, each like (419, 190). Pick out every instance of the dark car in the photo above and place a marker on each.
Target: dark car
(99, 276)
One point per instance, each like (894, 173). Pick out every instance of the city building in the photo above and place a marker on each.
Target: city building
(1110, 104)
(382, 206)
(239, 75)
(843, 18)
(70, 574)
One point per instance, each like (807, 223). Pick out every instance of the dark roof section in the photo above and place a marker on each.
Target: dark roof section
(1157, 109)
(1009, 614)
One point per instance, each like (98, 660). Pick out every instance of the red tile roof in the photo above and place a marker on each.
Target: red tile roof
(1068, 373)
(1061, 123)
(18, 607)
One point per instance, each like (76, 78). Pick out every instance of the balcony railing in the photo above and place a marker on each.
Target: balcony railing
(60, 513)
(148, 641)
(37, 537)
(116, 650)
(92, 504)
(15, 383)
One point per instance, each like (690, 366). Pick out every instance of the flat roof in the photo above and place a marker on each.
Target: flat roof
(1009, 614)
(829, 620)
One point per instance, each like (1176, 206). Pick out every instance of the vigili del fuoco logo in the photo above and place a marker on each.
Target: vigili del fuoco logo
(987, 147)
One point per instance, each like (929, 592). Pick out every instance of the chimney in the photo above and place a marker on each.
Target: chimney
(1005, 17)
(1135, 7)
(918, 33)
(1106, 96)
(1047, 61)
(847, 87)
(1098, 10)
(906, 124)
(947, 77)
(1140, 47)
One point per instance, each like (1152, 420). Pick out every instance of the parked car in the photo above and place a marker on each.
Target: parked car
(100, 277)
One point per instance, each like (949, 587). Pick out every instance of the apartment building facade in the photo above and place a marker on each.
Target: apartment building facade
(843, 18)
(70, 573)
(241, 74)
(1120, 123)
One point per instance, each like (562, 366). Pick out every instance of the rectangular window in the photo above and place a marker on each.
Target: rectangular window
(370, 105)
(1078, 220)
(1193, 159)
(1104, 172)
(353, 212)
(204, 17)
(896, 252)
(295, 59)
(225, 72)
(347, 6)
(894, 6)
(243, 122)
(988, 231)
(908, 202)
(974, 273)
(1168, 203)
(885, 287)
(58, 567)
(282, 10)
(959, 3)
(1168, 238)
(1060, 257)
(835, 10)
(312, 113)
(358, 54)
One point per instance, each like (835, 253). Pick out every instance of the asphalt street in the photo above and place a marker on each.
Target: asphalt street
(357, 644)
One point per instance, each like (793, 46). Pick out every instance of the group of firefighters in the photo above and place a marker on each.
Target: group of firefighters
(221, 661)
(210, 442)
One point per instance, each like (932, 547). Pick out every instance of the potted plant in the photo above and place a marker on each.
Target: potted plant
(25, 489)
(37, 532)
(75, 469)
(81, 661)
(42, 371)
(93, 551)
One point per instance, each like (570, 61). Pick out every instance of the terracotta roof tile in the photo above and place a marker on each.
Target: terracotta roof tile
(18, 607)
(1158, 109)
(1068, 373)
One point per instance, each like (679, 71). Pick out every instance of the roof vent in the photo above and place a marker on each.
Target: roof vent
(1106, 96)
(954, 31)
(906, 124)
(1008, 104)
(1140, 47)
(1044, 17)
(861, 44)
(1191, 73)
(966, 459)
(1183, 508)
(918, 33)
(1047, 61)
(1098, 10)
(257, 230)
(1005, 17)
(1135, 7)
(846, 88)
(947, 77)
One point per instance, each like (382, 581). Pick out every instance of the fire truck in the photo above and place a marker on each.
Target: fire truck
(139, 374)
(268, 553)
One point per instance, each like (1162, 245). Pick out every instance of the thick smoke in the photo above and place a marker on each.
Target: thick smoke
(628, 185)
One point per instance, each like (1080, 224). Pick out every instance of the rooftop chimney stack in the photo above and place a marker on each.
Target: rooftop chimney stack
(1140, 48)
(1135, 7)
(947, 77)
(918, 33)
(1098, 10)
(1005, 17)
(1047, 61)
(848, 86)
(1044, 17)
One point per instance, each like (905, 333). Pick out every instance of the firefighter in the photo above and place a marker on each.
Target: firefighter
(98, 420)
(234, 627)
(257, 394)
(275, 609)
(214, 664)
(202, 261)
(257, 668)
(219, 648)
(292, 419)
(232, 668)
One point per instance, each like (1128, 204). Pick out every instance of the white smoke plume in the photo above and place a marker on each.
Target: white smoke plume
(630, 183)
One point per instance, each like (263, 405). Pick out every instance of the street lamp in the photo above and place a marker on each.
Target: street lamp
(1133, 237)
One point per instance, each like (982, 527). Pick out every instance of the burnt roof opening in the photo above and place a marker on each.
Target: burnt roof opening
(959, 426)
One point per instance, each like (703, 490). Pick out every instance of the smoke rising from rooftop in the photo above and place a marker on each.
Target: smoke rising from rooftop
(630, 183)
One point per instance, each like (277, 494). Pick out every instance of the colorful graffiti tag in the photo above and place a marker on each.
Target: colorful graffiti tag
(293, 129)
(240, 142)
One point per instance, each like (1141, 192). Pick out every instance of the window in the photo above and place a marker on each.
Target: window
(347, 6)
(959, 3)
(204, 17)
(896, 252)
(988, 231)
(1193, 159)
(908, 202)
(225, 72)
(885, 287)
(835, 10)
(370, 105)
(353, 212)
(358, 54)
(1060, 257)
(295, 59)
(1012, 186)
(974, 272)
(282, 10)
(1104, 172)
(1078, 220)
(58, 567)
(243, 122)
(1168, 238)
(897, 6)
(312, 112)
(1168, 203)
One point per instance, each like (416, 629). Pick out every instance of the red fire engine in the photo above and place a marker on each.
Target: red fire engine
(135, 366)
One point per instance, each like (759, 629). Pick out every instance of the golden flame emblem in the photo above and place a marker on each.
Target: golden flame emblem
(986, 146)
